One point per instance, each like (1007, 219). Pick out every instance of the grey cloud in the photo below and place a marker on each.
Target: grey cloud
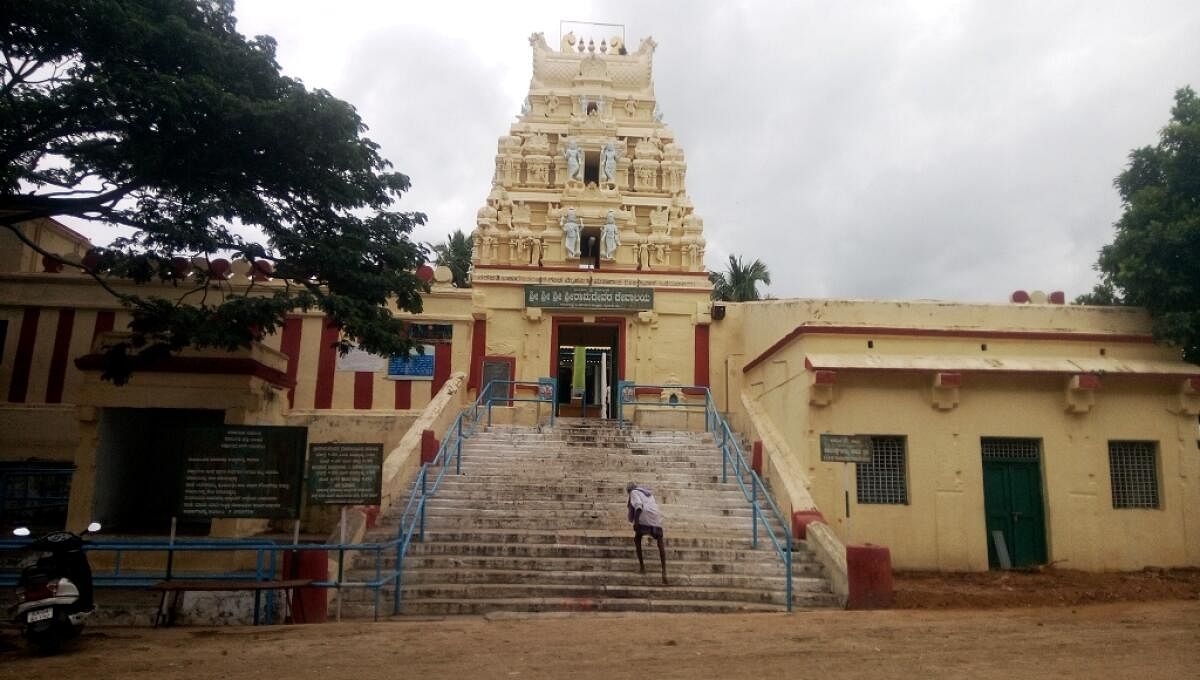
(955, 151)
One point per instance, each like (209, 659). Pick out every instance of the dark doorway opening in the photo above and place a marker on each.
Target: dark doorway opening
(591, 167)
(138, 468)
(595, 396)
(589, 247)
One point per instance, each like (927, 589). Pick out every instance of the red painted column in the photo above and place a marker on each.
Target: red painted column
(701, 377)
(364, 389)
(309, 605)
(429, 446)
(441, 367)
(756, 457)
(478, 348)
(326, 363)
(105, 320)
(403, 394)
(289, 344)
(58, 356)
(18, 387)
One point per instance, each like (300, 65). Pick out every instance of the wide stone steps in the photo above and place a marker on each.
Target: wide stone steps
(473, 606)
(592, 558)
(611, 578)
(537, 522)
(648, 590)
(581, 537)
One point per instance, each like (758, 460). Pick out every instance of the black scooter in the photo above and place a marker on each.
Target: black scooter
(55, 594)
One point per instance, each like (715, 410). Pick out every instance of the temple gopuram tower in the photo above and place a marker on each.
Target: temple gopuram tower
(587, 247)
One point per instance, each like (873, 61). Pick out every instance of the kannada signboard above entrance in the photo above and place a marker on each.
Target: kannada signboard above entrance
(846, 448)
(589, 297)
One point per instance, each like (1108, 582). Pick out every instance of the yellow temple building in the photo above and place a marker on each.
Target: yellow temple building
(1061, 432)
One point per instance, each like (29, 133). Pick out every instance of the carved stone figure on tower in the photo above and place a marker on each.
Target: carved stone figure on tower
(571, 227)
(574, 156)
(608, 164)
(610, 238)
(631, 107)
(658, 219)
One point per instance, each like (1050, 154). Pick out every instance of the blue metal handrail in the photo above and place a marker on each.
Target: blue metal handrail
(266, 551)
(732, 456)
(466, 424)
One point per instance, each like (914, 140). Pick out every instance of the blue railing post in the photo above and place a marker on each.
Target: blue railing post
(787, 564)
(754, 505)
(724, 457)
(620, 404)
(458, 445)
(708, 409)
(424, 475)
(378, 575)
(399, 571)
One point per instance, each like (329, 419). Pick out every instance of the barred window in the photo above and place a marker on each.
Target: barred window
(884, 479)
(1133, 469)
(34, 494)
(1011, 450)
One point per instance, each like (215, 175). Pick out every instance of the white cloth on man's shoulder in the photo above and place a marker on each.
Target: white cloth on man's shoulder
(641, 498)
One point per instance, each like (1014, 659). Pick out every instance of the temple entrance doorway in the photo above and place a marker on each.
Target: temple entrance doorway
(139, 467)
(587, 365)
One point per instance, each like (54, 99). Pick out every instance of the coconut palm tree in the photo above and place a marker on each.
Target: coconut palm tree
(455, 253)
(740, 282)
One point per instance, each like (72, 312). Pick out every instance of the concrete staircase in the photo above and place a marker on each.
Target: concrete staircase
(536, 522)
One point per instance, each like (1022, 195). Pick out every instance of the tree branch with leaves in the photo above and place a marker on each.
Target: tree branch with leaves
(1154, 260)
(158, 116)
(739, 282)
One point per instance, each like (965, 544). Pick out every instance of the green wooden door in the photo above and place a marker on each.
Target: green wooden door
(1012, 498)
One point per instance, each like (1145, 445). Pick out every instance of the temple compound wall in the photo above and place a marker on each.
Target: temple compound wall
(1065, 428)
(994, 435)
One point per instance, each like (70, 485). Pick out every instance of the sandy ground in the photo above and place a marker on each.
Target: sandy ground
(1038, 624)
(1145, 640)
(1041, 587)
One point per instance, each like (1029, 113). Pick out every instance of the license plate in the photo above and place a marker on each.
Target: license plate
(40, 615)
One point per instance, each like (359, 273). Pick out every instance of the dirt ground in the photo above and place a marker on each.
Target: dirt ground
(1029, 625)
(1041, 587)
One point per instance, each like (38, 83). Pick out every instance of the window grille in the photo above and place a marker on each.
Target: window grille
(1133, 469)
(1011, 450)
(884, 479)
(34, 495)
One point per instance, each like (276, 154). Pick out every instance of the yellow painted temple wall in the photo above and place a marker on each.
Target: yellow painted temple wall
(888, 388)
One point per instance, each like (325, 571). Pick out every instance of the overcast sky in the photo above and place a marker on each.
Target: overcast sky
(879, 150)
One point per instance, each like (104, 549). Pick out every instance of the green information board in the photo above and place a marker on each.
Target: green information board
(242, 471)
(846, 448)
(589, 297)
(344, 474)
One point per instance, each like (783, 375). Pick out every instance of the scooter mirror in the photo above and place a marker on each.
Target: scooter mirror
(93, 527)
(21, 531)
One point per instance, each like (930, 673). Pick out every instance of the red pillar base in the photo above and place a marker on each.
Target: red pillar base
(869, 572)
(800, 521)
(429, 446)
(309, 605)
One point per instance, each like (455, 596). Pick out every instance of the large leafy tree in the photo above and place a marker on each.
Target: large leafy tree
(455, 253)
(1154, 261)
(159, 116)
(739, 283)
